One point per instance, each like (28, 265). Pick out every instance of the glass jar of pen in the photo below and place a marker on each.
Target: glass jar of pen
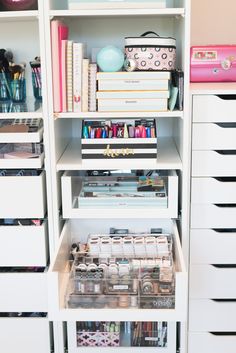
(12, 85)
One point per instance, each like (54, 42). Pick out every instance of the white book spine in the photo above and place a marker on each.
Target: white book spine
(69, 83)
(132, 94)
(132, 105)
(116, 5)
(135, 75)
(133, 85)
(78, 54)
(92, 87)
(85, 71)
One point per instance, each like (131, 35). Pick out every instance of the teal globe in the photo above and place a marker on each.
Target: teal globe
(110, 58)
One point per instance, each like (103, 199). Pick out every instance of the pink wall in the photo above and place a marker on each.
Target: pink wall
(213, 22)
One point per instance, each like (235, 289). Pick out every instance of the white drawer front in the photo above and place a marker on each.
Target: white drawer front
(23, 292)
(24, 335)
(212, 216)
(212, 190)
(24, 196)
(209, 246)
(212, 163)
(208, 343)
(210, 315)
(214, 136)
(208, 281)
(211, 108)
(27, 245)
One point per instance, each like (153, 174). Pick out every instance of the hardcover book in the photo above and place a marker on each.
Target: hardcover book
(78, 55)
(59, 32)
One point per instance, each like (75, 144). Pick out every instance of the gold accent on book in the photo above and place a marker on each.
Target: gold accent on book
(109, 152)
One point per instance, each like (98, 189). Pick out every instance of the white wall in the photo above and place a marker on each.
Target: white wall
(213, 22)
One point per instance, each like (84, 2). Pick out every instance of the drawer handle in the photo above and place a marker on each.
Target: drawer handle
(225, 205)
(224, 266)
(223, 230)
(226, 153)
(226, 97)
(224, 300)
(226, 125)
(225, 179)
(223, 333)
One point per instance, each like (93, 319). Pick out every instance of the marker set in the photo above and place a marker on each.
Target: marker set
(119, 129)
(119, 139)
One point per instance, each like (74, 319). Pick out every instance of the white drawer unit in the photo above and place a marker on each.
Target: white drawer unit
(213, 163)
(214, 136)
(206, 342)
(25, 335)
(23, 245)
(74, 348)
(212, 281)
(213, 190)
(212, 315)
(71, 186)
(24, 196)
(214, 108)
(23, 292)
(213, 216)
(211, 246)
(59, 273)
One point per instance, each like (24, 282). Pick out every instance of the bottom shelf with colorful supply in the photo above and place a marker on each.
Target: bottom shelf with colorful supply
(119, 139)
(161, 336)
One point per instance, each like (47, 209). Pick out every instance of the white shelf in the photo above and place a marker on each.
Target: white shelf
(126, 115)
(167, 158)
(8, 16)
(169, 12)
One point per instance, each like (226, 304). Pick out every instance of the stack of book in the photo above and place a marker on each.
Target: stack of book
(138, 91)
(74, 77)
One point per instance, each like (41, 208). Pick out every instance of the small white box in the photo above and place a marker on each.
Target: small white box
(133, 85)
(132, 105)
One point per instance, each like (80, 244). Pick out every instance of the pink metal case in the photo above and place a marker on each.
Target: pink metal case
(213, 63)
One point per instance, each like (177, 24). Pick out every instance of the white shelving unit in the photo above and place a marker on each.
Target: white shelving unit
(173, 153)
(61, 140)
